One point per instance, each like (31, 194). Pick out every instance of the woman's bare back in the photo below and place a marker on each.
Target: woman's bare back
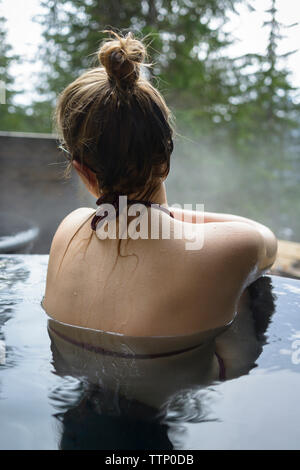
(155, 287)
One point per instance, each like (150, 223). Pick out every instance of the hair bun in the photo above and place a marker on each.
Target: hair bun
(121, 58)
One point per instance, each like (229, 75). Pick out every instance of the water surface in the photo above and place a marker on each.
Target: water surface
(43, 406)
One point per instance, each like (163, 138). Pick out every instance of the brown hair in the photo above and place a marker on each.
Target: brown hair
(115, 122)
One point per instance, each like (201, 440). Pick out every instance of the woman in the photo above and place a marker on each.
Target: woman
(116, 128)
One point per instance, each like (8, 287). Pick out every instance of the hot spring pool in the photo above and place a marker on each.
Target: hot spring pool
(43, 406)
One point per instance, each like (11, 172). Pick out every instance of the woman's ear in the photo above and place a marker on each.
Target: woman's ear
(81, 169)
(87, 176)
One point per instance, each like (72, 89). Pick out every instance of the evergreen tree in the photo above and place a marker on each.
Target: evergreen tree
(7, 109)
(264, 131)
(185, 39)
(14, 117)
(265, 112)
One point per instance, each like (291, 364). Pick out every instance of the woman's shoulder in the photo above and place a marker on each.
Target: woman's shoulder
(75, 217)
(208, 281)
(228, 239)
(230, 254)
(235, 236)
(237, 248)
(226, 253)
(69, 226)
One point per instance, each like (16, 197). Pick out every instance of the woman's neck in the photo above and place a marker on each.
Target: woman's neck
(158, 196)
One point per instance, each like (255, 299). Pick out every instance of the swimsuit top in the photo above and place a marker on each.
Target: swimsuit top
(148, 369)
(119, 345)
(114, 201)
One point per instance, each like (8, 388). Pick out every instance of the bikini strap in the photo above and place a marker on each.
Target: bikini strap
(114, 201)
(222, 370)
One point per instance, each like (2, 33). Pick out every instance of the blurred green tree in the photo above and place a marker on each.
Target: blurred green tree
(185, 40)
(7, 108)
(266, 114)
(16, 117)
(263, 132)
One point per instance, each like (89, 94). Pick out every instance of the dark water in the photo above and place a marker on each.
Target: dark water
(43, 406)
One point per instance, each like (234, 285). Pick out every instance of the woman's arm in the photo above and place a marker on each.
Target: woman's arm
(207, 217)
(269, 239)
